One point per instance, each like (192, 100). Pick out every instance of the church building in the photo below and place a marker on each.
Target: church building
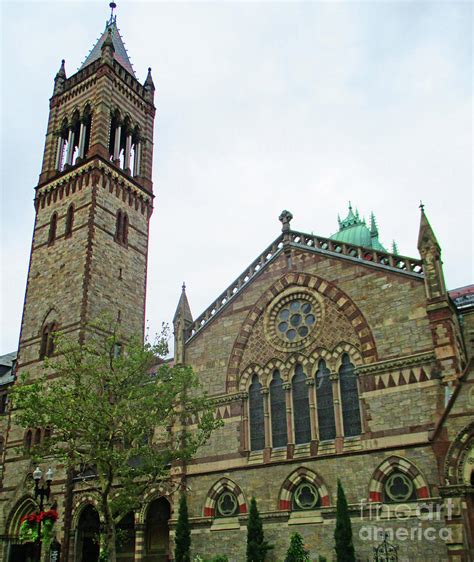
(327, 358)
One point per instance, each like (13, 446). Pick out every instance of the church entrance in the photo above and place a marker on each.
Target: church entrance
(88, 536)
(157, 535)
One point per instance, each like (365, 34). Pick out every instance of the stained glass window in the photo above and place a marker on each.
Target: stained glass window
(301, 407)
(305, 496)
(257, 440)
(349, 398)
(325, 403)
(399, 488)
(278, 411)
(227, 504)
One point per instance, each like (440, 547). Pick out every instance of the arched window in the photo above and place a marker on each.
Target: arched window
(69, 220)
(125, 229)
(325, 403)
(301, 414)
(37, 440)
(47, 341)
(227, 504)
(257, 439)
(349, 398)
(305, 496)
(118, 226)
(53, 223)
(278, 411)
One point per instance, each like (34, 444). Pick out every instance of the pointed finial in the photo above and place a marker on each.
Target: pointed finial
(183, 287)
(62, 70)
(394, 248)
(422, 206)
(112, 6)
(350, 206)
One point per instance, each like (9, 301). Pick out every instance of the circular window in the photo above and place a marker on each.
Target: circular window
(227, 504)
(293, 318)
(305, 496)
(399, 487)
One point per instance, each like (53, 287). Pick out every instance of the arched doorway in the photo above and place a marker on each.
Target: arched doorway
(157, 536)
(21, 552)
(87, 545)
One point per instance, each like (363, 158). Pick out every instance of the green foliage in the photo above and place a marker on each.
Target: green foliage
(257, 546)
(114, 406)
(343, 532)
(296, 551)
(183, 533)
(322, 558)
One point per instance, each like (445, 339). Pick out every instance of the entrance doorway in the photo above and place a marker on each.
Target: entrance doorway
(157, 535)
(22, 552)
(87, 546)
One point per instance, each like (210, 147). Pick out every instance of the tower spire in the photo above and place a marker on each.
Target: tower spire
(182, 324)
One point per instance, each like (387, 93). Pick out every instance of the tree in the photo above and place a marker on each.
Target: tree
(111, 408)
(296, 551)
(183, 533)
(257, 546)
(343, 531)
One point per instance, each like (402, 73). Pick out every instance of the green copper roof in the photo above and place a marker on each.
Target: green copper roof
(354, 230)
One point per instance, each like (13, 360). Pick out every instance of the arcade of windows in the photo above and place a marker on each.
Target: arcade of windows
(282, 413)
(74, 140)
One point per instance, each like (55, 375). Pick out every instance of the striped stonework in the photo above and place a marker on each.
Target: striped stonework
(223, 485)
(302, 475)
(396, 464)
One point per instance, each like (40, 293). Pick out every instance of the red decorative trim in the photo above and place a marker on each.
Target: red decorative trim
(285, 505)
(209, 512)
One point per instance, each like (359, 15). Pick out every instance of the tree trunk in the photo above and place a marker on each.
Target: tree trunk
(108, 536)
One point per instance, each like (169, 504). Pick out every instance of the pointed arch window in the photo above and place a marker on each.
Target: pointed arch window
(28, 440)
(325, 403)
(53, 225)
(69, 221)
(349, 398)
(47, 341)
(278, 411)
(257, 439)
(301, 413)
(121, 228)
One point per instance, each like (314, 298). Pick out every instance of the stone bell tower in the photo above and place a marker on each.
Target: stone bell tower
(93, 204)
(93, 201)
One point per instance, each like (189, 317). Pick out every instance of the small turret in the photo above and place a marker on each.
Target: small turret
(374, 231)
(182, 324)
(394, 248)
(430, 253)
(60, 79)
(149, 86)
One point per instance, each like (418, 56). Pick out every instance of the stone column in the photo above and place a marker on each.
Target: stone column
(82, 140)
(290, 448)
(70, 147)
(118, 134)
(128, 149)
(59, 154)
(139, 542)
(312, 416)
(337, 411)
(136, 163)
(244, 443)
(267, 451)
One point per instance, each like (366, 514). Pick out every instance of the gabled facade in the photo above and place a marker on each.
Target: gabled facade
(333, 360)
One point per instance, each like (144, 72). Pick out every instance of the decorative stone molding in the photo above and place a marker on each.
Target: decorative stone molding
(301, 474)
(223, 485)
(396, 464)
(459, 457)
(394, 364)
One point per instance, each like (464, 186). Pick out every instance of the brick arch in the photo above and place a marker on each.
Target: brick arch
(246, 378)
(301, 474)
(23, 506)
(271, 367)
(340, 299)
(224, 484)
(80, 503)
(318, 354)
(148, 499)
(297, 358)
(397, 464)
(353, 353)
(456, 455)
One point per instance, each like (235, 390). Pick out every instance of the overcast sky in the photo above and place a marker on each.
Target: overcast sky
(260, 107)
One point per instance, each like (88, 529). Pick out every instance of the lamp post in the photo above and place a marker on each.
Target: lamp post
(42, 492)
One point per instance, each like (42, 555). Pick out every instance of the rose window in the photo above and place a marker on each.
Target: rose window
(294, 319)
(305, 496)
(227, 505)
(399, 487)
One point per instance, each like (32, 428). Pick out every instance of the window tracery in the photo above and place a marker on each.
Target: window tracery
(278, 411)
(349, 398)
(257, 435)
(325, 403)
(301, 414)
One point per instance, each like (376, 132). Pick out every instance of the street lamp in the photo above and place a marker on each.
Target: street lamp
(42, 492)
